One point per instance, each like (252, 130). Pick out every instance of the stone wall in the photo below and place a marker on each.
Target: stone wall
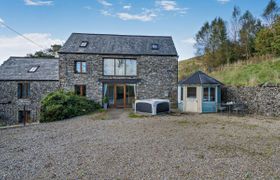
(10, 104)
(157, 74)
(263, 100)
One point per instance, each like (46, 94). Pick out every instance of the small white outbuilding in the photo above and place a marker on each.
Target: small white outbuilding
(199, 93)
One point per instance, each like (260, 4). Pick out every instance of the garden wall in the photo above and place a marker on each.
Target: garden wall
(262, 100)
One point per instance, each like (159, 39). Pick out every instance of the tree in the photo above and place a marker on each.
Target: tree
(47, 53)
(235, 23)
(249, 28)
(264, 41)
(271, 12)
(212, 42)
(276, 38)
(202, 39)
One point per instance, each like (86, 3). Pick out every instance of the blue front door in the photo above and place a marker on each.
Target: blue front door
(209, 101)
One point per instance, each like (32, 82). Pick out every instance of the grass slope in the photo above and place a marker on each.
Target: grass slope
(187, 67)
(250, 74)
(246, 73)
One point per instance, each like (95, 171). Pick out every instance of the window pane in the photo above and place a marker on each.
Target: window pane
(110, 93)
(84, 67)
(205, 94)
(131, 67)
(78, 67)
(108, 67)
(120, 67)
(19, 90)
(212, 94)
(130, 94)
(191, 92)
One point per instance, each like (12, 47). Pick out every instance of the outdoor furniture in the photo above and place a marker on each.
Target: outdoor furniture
(240, 108)
(229, 106)
(221, 107)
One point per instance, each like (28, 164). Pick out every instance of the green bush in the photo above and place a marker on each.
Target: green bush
(62, 105)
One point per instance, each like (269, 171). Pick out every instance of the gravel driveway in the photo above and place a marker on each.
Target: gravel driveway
(162, 147)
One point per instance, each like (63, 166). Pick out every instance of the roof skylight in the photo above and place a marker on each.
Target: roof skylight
(155, 46)
(84, 44)
(33, 69)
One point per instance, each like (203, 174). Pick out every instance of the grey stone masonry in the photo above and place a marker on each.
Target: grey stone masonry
(157, 75)
(264, 100)
(11, 104)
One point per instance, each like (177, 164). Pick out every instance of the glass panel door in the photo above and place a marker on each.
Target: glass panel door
(130, 95)
(120, 95)
(110, 94)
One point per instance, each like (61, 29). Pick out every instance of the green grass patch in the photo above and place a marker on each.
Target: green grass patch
(135, 116)
(100, 114)
(250, 74)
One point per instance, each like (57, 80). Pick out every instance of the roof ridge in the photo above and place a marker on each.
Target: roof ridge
(123, 35)
(31, 57)
(199, 76)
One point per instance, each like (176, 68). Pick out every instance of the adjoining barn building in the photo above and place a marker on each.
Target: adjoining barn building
(199, 93)
(23, 83)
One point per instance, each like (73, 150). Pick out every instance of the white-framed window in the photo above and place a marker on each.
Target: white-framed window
(209, 94)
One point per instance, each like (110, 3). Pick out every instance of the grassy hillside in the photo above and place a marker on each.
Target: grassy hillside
(187, 67)
(250, 74)
(244, 73)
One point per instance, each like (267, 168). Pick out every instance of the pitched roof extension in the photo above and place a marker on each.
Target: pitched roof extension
(111, 44)
(18, 68)
(199, 77)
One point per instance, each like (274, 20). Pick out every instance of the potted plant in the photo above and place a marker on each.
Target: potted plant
(105, 102)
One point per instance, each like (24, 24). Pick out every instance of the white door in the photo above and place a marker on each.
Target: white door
(191, 99)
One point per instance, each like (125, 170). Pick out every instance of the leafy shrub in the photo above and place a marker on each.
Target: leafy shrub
(60, 105)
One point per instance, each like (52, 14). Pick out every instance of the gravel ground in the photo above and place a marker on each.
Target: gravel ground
(194, 146)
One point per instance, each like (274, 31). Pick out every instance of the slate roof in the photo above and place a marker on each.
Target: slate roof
(16, 68)
(119, 44)
(199, 78)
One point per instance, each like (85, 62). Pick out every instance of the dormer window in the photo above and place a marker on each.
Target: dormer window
(33, 69)
(155, 46)
(84, 44)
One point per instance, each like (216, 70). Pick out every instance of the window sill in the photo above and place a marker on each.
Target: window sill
(120, 76)
(80, 73)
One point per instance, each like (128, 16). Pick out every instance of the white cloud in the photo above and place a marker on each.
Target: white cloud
(189, 41)
(169, 5)
(105, 3)
(145, 16)
(1, 21)
(127, 7)
(223, 1)
(18, 46)
(38, 3)
(106, 13)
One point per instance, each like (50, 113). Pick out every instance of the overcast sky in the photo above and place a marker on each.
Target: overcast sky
(52, 21)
